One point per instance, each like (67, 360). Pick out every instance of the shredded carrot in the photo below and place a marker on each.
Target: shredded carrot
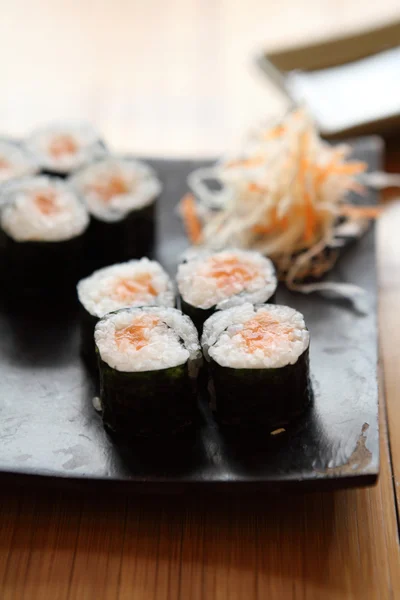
(321, 173)
(191, 220)
(304, 166)
(304, 142)
(350, 168)
(284, 222)
(274, 218)
(298, 114)
(335, 168)
(275, 132)
(357, 187)
(361, 212)
(246, 162)
(310, 216)
(262, 229)
(276, 223)
(255, 187)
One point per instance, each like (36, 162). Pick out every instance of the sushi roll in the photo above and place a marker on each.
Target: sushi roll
(15, 161)
(62, 148)
(135, 283)
(120, 195)
(215, 281)
(149, 360)
(259, 365)
(42, 226)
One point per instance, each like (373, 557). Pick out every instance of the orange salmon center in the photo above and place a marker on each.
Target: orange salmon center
(46, 202)
(134, 289)
(62, 145)
(4, 164)
(110, 187)
(231, 273)
(135, 334)
(263, 330)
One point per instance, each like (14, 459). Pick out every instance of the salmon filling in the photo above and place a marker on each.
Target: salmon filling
(263, 331)
(135, 335)
(4, 164)
(230, 273)
(135, 289)
(115, 185)
(62, 145)
(46, 202)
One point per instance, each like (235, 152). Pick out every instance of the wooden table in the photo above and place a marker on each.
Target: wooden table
(175, 78)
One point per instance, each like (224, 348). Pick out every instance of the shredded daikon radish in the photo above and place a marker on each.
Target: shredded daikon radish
(284, 194)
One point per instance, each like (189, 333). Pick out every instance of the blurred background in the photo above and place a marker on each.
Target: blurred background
(158, 78)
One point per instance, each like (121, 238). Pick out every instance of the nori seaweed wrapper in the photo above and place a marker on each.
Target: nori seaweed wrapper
(148, 402)
(198, 315)
(260, 398)
(119, 241)
(87, 346)
(41, 268)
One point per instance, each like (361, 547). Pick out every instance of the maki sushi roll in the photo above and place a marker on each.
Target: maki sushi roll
(259, 365)
(133, 283)
(120, 195)
(15, 161)
(148, 361)
(42, 226)
(62, 148)
(215, 281)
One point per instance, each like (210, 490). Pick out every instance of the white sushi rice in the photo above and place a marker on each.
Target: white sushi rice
(15, 161)
(222, 340)
(198, 287)
(140, 180)
(85, 139)
(23, 220)
(171, 342)
(99, 293)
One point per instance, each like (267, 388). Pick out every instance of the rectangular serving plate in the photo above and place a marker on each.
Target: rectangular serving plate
(50, 432)
(325, 55)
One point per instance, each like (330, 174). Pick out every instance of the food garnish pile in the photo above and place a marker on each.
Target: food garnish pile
(285, 193)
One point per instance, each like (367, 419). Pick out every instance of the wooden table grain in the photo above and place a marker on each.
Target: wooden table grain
(175, 78)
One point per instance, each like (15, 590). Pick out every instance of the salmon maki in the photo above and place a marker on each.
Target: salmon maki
(42, 227)
(215, 281)
(62, 148)
(149, 360)
(15, 161)
(120, 195)
(134, 283)
(259, 365)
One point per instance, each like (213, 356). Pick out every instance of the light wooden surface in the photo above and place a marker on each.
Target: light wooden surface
(176, 78)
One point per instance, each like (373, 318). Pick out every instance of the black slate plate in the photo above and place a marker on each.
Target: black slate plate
(49, 428)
